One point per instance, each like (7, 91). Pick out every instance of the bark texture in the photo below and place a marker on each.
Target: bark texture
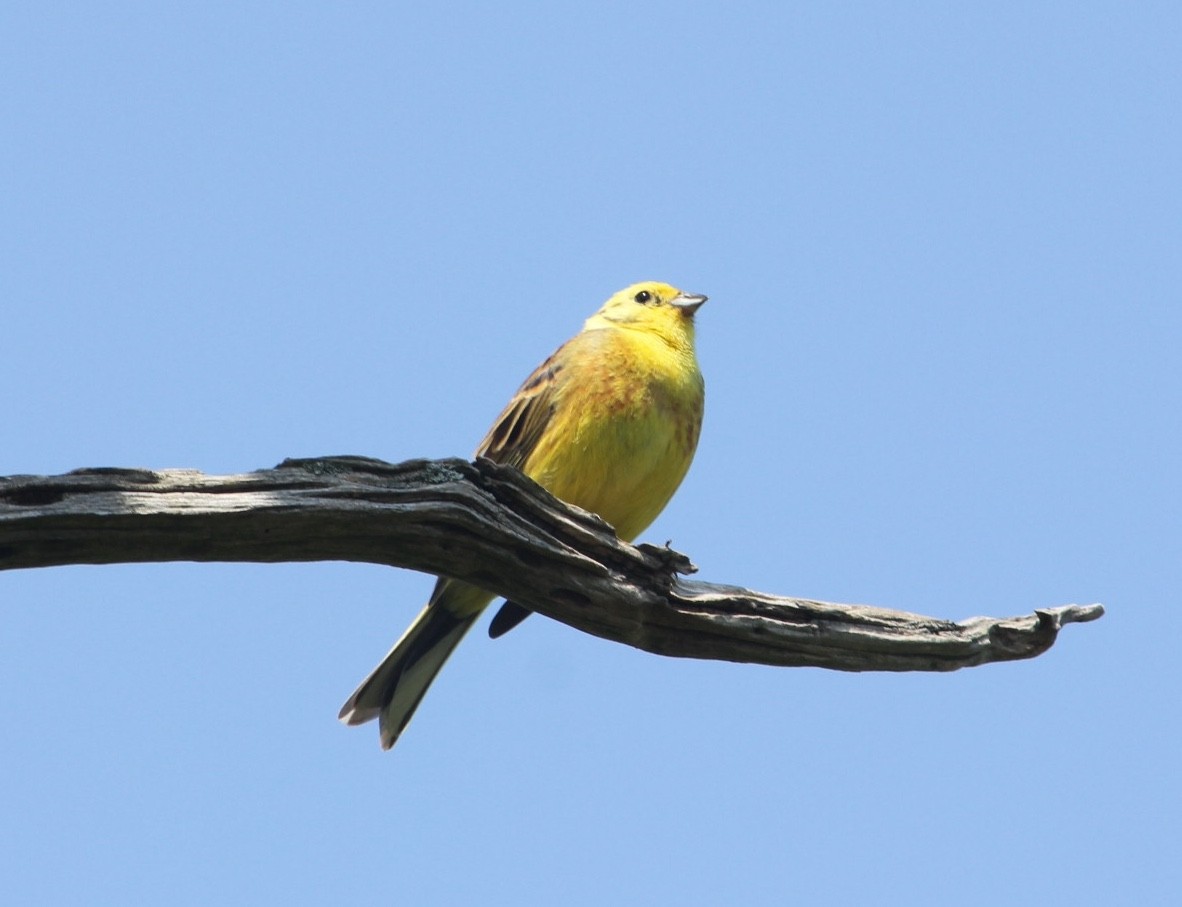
(488, 525)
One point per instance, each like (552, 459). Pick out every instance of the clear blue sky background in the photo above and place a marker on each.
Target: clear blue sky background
(943, 246)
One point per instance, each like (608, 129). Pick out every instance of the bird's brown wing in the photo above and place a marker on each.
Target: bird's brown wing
(507, 617)
(512, 439)
(517, 430)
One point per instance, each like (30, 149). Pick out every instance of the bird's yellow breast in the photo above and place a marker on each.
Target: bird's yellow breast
(624, 428)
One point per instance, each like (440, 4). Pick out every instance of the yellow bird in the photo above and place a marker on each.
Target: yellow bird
(608, 423)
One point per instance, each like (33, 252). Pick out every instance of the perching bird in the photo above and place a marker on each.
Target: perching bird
(608, 423)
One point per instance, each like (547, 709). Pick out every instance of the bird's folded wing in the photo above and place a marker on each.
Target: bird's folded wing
(518, 429)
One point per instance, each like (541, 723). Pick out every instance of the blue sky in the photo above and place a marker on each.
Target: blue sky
(942, 248)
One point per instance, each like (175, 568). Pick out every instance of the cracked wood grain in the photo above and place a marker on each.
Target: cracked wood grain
(488, 525)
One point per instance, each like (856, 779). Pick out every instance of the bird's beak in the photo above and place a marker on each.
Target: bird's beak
(687, 303)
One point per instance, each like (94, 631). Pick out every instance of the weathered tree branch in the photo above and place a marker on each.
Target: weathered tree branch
(488, 525)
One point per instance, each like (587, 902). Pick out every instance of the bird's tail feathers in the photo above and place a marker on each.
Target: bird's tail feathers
(396, 687)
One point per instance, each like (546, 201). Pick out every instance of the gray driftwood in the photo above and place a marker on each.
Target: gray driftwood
(491, 526)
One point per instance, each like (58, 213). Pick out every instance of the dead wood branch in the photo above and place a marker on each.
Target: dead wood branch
(488, 525)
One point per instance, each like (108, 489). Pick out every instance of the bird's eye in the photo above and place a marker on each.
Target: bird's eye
(643, 297)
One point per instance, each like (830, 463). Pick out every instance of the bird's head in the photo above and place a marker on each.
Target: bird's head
(653, 307)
